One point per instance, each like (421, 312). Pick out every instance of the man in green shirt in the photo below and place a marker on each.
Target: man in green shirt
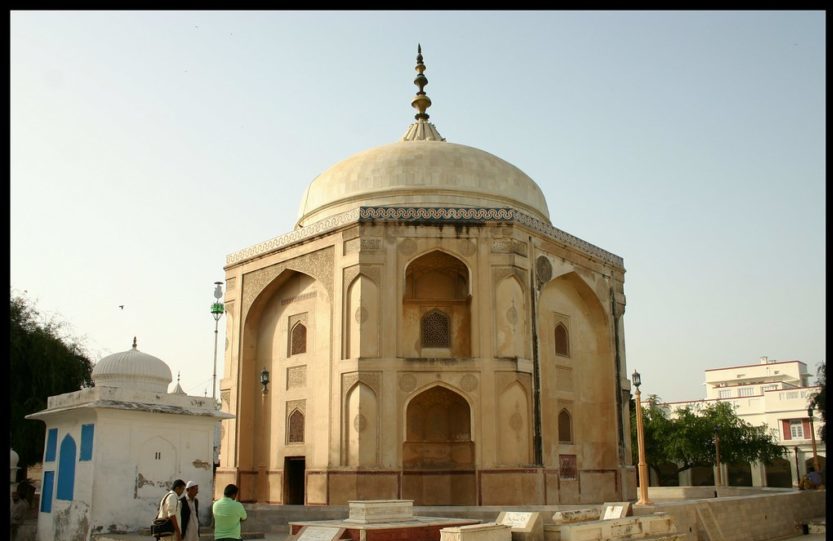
(228, 513)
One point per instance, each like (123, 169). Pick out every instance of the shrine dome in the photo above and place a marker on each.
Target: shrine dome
(132, 369)
(421, 170)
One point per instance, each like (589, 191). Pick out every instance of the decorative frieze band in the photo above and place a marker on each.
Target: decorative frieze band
(427, 215)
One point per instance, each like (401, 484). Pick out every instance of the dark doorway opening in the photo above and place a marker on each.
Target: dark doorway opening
(294, 468)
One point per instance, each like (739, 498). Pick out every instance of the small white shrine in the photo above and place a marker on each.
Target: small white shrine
(112, 450)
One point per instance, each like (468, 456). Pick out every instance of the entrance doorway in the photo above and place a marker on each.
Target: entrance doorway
(294, 468)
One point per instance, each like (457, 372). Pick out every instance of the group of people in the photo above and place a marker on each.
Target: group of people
(182, 506)
(811, 480)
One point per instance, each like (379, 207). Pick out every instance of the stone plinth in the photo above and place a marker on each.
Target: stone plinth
(576, 515)
(654, 527)
(380, 511)
(524, 526)
(477, 532)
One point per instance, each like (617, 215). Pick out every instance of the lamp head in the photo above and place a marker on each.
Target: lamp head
(637, 379)
(264, 379)
(810, 411)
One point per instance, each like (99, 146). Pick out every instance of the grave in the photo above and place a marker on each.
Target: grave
(378, 520)
(585, 524)
(489, 531)
(524, 526)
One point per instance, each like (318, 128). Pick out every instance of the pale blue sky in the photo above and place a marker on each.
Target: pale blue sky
(146, 146)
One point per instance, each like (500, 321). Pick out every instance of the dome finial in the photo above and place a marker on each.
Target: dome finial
(134, 342)
(421, 102)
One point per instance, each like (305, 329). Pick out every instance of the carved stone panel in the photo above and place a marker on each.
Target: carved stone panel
(318, 264)
(296, 376)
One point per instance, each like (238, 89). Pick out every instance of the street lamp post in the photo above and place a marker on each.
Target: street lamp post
(718, 480)
(217, 310)
(640, 441)
(810, 413)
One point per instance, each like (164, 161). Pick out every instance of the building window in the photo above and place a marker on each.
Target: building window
(746, 391)
(565, 427)
(51, 444)
(435, 330)
(298, 339)
(66, 469)
(562, 341)
(87, 432)
(724, 393)
(46, 491)
(296, 427)
(796, 430)
(769, 387)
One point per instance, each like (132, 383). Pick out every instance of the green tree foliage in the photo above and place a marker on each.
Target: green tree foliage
(819, 400)
(44, 362)
(688, 438)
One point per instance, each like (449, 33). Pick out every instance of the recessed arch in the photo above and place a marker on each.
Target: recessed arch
(565, 426)
(438, 430)
(295, 427)
(298, 339)
(562, 340)
(431, 255)
(66, 469)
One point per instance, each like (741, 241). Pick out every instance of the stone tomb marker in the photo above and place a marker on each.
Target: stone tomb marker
(477, 532)
(525, 526)
(319, 533)
(611, 510)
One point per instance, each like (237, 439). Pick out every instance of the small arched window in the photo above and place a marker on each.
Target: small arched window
(565, 427)
(296, 427)
(435, 330)
(298, 339)
(562, 341)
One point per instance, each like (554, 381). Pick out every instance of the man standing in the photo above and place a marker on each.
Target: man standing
(190, 512)
(228, 513)
(170, 507)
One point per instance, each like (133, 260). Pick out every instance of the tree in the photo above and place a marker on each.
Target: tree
(819, 399)
(45, 361)
(688, 438)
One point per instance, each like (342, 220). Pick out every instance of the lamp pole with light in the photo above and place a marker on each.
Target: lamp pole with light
(640, 441)
(810, 413)
(217, 310)
(718, 481)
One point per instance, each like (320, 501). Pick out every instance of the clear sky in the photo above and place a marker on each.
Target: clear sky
(146, 146)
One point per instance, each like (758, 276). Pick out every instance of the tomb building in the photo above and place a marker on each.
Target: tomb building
(425, 333)
(113, 450)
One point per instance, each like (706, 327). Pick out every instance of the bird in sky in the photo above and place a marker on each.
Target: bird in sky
(121, 306)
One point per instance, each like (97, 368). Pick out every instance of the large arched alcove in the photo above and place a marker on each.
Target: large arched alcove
(581, 364)
(287, 332)
(437, 287)
(438, 431)
(778, 473)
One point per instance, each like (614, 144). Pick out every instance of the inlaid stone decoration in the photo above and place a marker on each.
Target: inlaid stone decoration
(407, 382)
(296, 376)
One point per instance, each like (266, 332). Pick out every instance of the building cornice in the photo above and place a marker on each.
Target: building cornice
(427, 216)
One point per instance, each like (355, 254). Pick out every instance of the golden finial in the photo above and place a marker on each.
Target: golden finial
(421, 102)
(134, 342)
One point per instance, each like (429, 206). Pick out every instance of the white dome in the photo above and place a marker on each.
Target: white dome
(132, 369)
(14, 459)
(421, 173)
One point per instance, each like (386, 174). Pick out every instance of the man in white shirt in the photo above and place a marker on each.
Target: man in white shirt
(190, 512)
(170, 507)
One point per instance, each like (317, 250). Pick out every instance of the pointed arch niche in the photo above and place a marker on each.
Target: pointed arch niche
(362, 426)
(437, 293)
(514, 440)
(438, 431)
(577, 357)
(362, 318)
(510, 318)
(287, 326)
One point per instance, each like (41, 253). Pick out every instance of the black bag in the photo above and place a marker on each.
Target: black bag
(162, 527)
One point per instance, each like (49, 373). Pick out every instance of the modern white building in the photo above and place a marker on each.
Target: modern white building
(114, 449)
(774, 393)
